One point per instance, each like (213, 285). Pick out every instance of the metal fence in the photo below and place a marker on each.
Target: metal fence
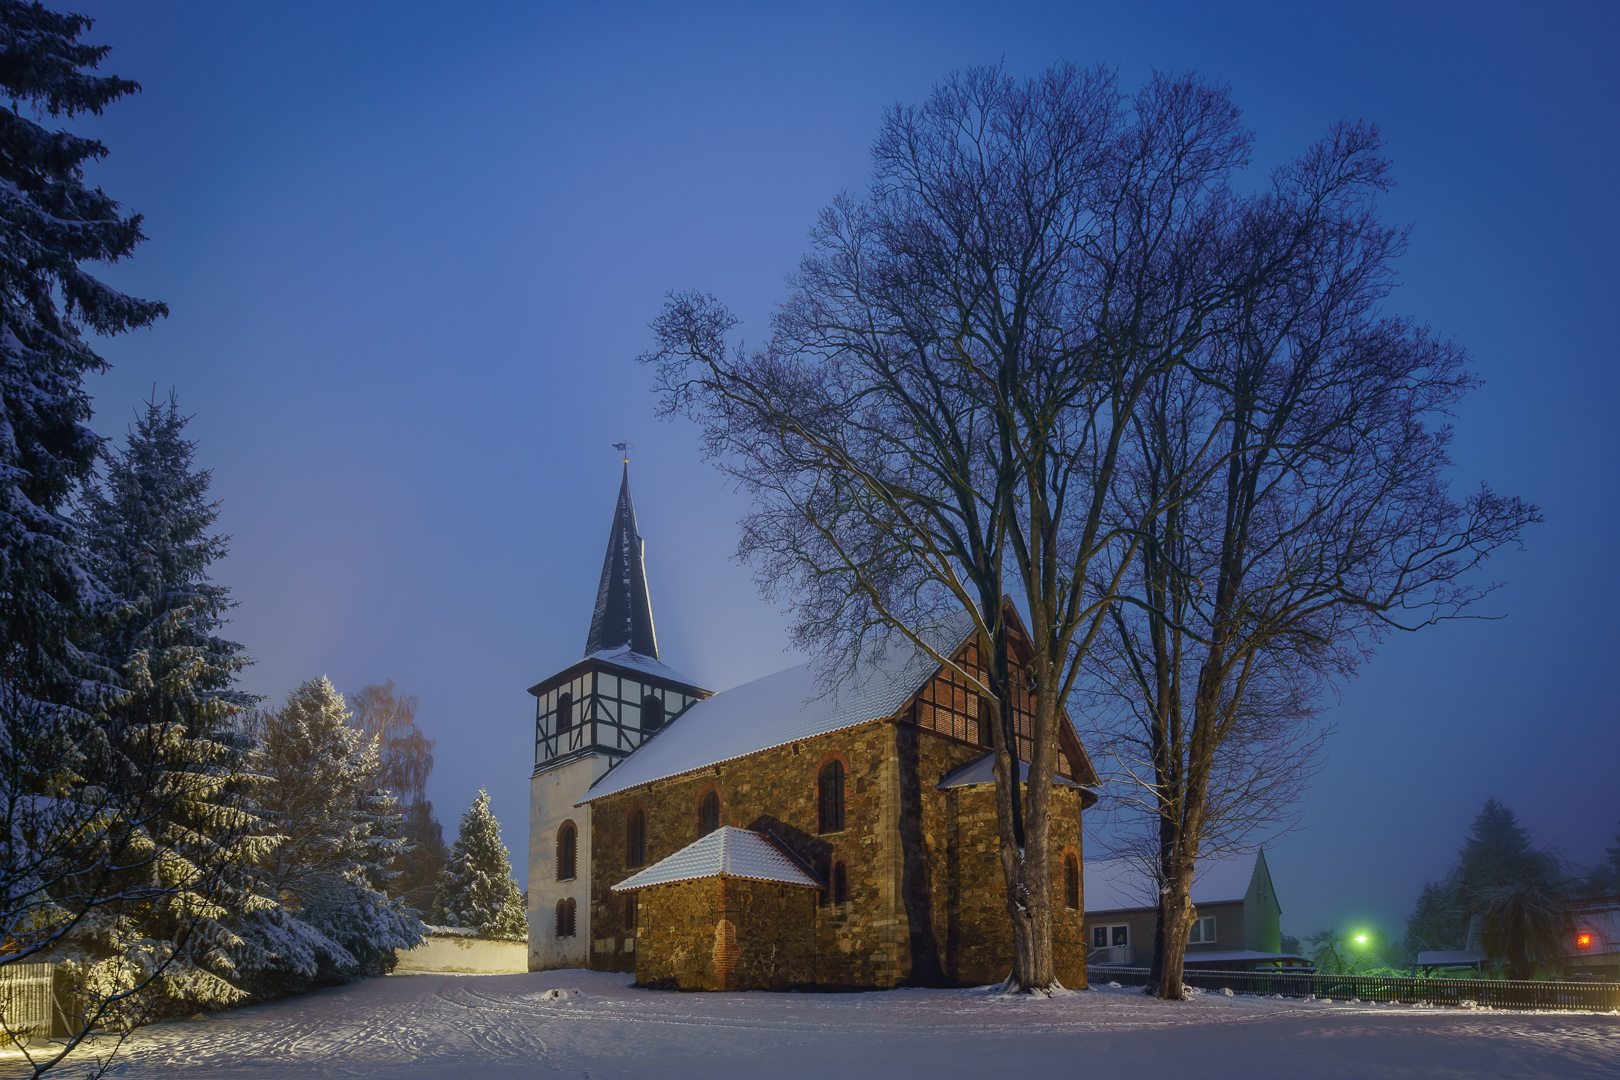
(27, 999)
(1497, 993)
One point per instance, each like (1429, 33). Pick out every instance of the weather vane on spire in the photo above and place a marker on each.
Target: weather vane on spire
(625, 448)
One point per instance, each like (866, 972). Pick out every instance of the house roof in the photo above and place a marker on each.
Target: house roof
(1123, 885)
(1450, 958)
(981, 771)
(726, 852)
(784, 708)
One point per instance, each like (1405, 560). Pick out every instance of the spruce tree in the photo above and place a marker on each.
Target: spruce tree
(476, 890)
(1520, 892)
(337, 832)
(51, 224)
(169, 756)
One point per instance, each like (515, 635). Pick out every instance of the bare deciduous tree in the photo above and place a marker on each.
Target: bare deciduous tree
(1298, 460)
(406, 762)
(936, 420)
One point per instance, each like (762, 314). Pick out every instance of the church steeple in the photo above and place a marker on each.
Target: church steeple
(623, 615)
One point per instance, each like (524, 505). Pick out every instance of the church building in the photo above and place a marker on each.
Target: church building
(778, 834)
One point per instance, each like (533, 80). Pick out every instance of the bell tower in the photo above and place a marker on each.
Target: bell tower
(588, 718)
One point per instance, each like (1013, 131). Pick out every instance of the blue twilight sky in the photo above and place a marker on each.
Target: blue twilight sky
(411, 251)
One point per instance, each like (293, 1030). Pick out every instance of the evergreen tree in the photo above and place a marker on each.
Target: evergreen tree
(1519, 891)
(1605, 878)
(51, 223)
(1436, 924)
(476, 890)
(337, 833)
(169, 755)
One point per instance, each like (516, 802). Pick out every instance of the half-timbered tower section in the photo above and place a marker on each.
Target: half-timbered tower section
(861, 845)
(588, 717)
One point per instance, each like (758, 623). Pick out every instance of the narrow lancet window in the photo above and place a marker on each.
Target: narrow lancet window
(635, 839)
(708, 813)
(830, 798)
(567, 851)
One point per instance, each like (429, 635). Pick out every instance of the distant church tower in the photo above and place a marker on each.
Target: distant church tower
(588, 717)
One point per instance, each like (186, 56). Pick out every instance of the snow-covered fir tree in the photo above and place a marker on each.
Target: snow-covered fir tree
(166, 749)
(476, 890)
(51, 224)
(337, 832)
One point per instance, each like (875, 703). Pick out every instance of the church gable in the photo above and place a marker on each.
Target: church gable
(948, 705)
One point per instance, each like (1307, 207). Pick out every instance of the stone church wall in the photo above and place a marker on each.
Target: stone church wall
(926, 901)
(726, 934)
(771, 792)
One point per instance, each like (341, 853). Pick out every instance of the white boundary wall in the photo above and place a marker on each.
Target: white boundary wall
(479, 956)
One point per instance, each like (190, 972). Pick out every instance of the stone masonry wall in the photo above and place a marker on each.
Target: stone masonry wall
(726, 934)
(926, 901)
(772, 792)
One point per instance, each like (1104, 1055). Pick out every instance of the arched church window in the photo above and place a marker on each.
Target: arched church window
(840, 882)
(565, 917)
(708, 812)
(652, 713)
(1071, 882)
(635, 838)
(830, 798)
(567, 850)
(565, 713)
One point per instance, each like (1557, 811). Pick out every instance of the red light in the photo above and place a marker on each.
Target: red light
(1583, 941)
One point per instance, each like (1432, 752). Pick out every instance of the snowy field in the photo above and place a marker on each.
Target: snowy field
(589, 1024)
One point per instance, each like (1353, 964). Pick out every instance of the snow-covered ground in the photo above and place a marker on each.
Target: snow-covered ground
(589, 1024)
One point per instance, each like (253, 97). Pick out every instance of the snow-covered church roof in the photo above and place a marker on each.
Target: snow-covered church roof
(726, 852)
(1123, 884)
(784, 708)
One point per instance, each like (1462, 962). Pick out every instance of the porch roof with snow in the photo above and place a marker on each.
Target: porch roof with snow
(1123, 885)
(784, 708)
(726, 852)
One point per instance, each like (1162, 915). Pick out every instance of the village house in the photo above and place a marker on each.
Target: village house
(1236, 923)
(778, 834)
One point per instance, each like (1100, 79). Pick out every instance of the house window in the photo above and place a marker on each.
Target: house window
(1071, 883)
(565, 713)
(1203, 931)
(565, 918)
(567, 846)
(830, 798)
(652, 713)
(1103, 937)
(840, 882)
(708, 812)
(635, 838)
(632, 910)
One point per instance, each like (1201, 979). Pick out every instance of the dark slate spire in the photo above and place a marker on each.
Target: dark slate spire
(623, 613)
